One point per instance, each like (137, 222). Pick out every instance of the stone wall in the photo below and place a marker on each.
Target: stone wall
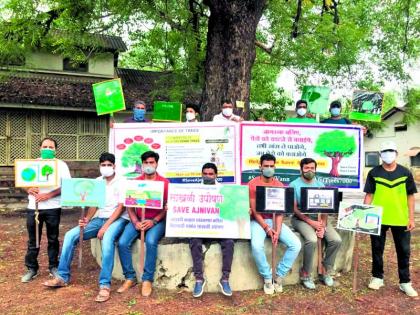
(174, 263)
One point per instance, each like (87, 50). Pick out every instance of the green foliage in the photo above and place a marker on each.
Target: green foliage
(335, 143)
(412, 107)
(83, 188)
(47, 170)
(132, 155)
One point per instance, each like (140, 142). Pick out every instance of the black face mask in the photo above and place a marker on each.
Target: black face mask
(209, 180)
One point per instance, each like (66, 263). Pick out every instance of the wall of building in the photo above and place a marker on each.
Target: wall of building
(102, 65)
(44, 61)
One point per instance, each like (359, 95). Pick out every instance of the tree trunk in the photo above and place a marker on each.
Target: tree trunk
(138, 168)
(334, 167)
(230, 52)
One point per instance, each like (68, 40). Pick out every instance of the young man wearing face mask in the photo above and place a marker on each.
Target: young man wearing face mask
(301, 112)
(209, 175)
(139, 113)
(311, 229)
(262, 227)
(154, 225)
(49, 213)
(107, 226)
(335, 110)
(227, 113)
(392, 187)
(191, 112)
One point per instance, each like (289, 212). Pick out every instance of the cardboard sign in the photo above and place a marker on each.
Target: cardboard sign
(208, 211)
(317, 98)
(367, 106)
(36, 173)
(167, 111)
(109, 97)
(360, 218)
(83, 192)
(279, 200)
(319, 200)
(143, 193)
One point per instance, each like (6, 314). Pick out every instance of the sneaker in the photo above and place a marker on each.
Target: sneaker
(278, 285)
(225, 287)
(199, 288)
(268, 286)
(408, 289)
(55, 283)
(306, 280)
(327, 280)
(376, 283)
(54, 272)
(29, 275)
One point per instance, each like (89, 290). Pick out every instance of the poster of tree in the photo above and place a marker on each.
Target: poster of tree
(109, 97)
(317, 98)
(367, 106)
(83, 192)
(336, 149)
(208, 211)
(183, 149)
(143, 193)
(36, 173)
(360, 218)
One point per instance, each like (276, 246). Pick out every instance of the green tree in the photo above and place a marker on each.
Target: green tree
(132, 156)
(83, 188)
(46, 171)
(335, 145)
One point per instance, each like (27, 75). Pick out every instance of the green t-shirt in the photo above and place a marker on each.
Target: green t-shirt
(390, 190)
(304, 120)
(297, 184)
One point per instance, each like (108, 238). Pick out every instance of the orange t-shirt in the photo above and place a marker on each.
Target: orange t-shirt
(257, 181)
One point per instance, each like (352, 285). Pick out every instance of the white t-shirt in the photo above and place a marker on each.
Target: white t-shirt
(114, 195)
(52, 203)
(220, 117)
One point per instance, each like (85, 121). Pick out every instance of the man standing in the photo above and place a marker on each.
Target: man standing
(227, 113)
(191, 113)
(392, 187)
(262, 227)
(311, 229)
(335, 110)
(209, 175)
(48, 200)
(107, 226)
(154, 225)
(301, 113)
(139, 113)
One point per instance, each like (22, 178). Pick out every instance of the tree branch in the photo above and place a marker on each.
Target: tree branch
(295, 32)
(164, 16)
(264, 47)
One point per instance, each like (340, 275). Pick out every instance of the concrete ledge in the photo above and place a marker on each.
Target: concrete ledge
(174, 263)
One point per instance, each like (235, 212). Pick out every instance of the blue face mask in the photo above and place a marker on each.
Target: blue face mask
(335, 111)
(138, 114)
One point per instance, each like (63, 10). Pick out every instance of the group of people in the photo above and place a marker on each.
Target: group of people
(389, 185)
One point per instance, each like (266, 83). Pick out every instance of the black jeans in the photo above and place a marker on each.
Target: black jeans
(51, 217)
(196, 246)
(402, 247)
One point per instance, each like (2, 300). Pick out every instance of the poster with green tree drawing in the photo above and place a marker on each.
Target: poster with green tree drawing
(36, 173)
(109, 97)
(83, 192)
(317, 98)
(367, 106)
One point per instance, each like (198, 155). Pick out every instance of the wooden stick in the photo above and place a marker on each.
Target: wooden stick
(82, 230)
(355, 261)
(273, 251)
(319, 245)
(36, 225)
(142, 233)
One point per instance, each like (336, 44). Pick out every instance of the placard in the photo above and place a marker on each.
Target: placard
(367, 106)
(317, 98)
(143, 193)
(279, 200)
(319, 200)
(208, 211)
(83, 192)
(167, 111)
(109, 97)
(36, 173)
(337, 150)
(360, 218)
(183, 149)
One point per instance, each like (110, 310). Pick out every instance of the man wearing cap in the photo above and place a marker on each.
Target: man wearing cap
(336, 118)
(301, 111)
(139, 113)
(392, 187)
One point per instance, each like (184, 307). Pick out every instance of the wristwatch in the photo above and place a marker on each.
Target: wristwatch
(154, 221)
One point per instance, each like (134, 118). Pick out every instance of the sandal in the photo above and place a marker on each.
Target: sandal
(103, 295)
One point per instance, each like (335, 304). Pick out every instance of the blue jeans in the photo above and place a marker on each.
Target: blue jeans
(153, 235)
(287, 237)
(71, 239)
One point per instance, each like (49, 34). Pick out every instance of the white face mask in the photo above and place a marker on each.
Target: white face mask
(227, 112)
(190, 116)
(106, 171)
(388, 157)
(301, 111)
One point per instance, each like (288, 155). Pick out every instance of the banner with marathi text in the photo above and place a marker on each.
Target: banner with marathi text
(208, 211)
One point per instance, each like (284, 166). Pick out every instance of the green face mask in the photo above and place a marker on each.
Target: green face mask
(47, 154)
